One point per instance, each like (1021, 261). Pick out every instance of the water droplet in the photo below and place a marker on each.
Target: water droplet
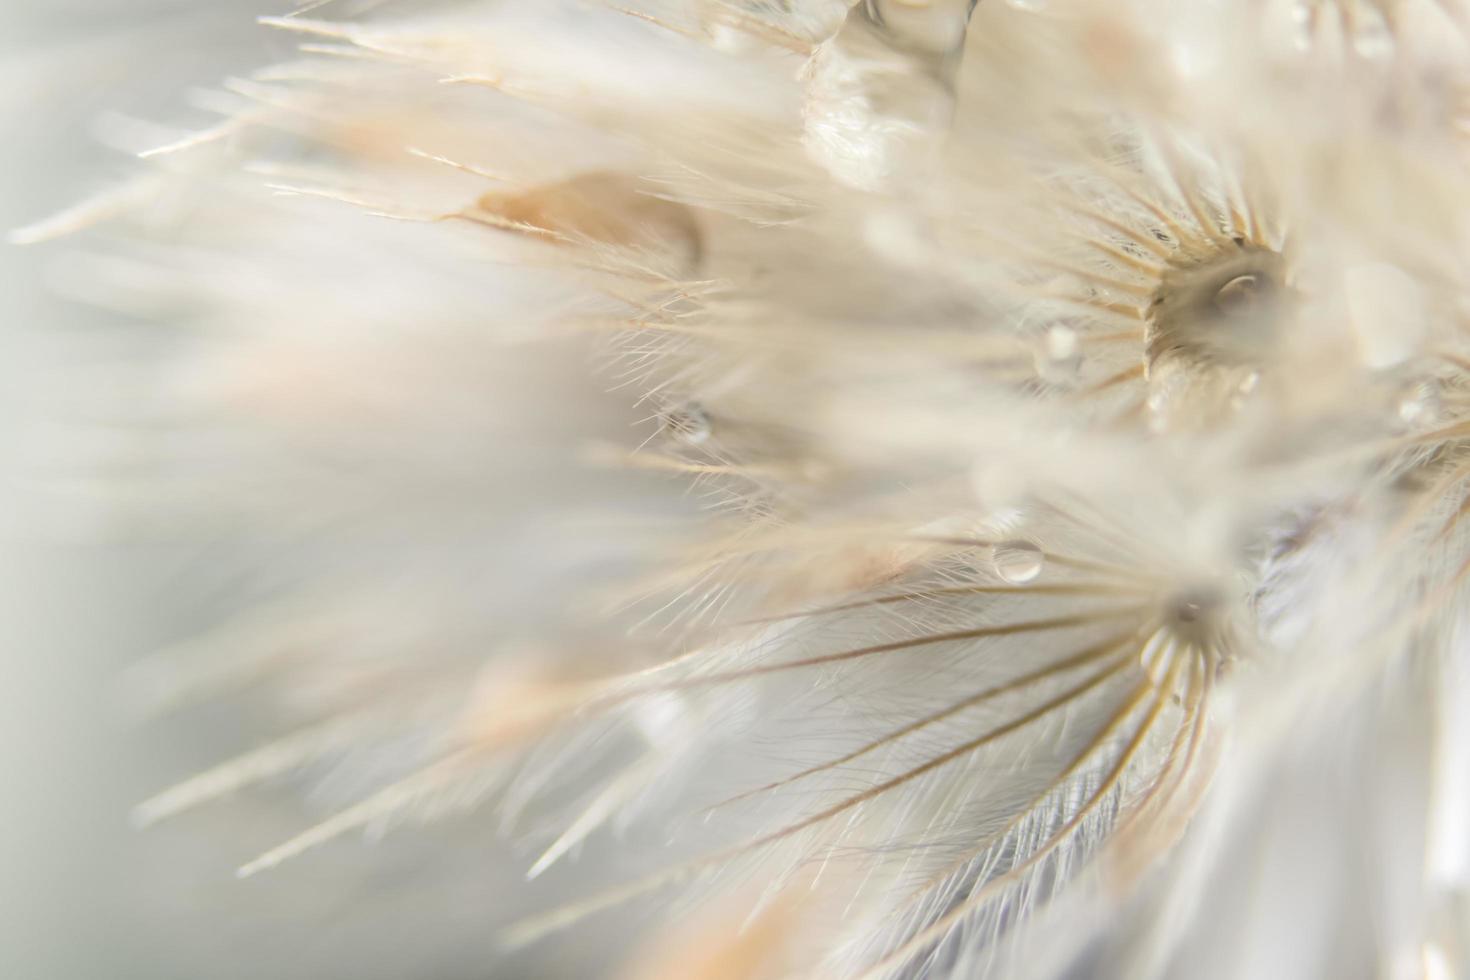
(920, 25)
(1240, 295)
(1244, 389)
(689, 424)
(880, 92)
(1159, 407)
(1060, 357)
(1373, 40)
(1017, 562)
(1303, 25)
(1061, 343)
(729, 40)
(1195, 605)
(1419, 404)
(1158, 419)
(1031, 6)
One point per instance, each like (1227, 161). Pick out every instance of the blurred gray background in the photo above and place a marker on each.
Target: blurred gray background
(84, 895)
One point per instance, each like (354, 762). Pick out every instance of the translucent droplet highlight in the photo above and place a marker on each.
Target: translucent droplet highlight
(1418, 404)
(1244, 389)
(1017, 562)
(1303, 25)
(880, 92)
(1373, 39)
(690, 424)
(1241, 295)
(1059, 359)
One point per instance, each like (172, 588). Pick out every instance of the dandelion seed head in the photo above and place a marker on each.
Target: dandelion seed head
(894, 485)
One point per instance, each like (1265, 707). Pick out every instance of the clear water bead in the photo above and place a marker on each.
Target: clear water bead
(1241, 295)
(1059, 360)
(1017, 562)
(1373, 39)
(880, 92)
(1418, 405)
(690, 424)
(1304, 26)
(1244, 389)
(1061, 343)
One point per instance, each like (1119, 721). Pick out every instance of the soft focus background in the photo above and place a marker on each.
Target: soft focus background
(83, 894)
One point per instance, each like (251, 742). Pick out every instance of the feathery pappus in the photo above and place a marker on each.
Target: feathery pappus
(895, 489)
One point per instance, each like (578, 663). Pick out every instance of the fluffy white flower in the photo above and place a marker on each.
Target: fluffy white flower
(888, 491)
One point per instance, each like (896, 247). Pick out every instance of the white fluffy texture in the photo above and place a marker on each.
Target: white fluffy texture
(983, 512)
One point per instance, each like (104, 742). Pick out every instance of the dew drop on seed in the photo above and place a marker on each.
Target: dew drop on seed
(1161, 403)
(1373, 40)
(880, 94)
(1194, 606)
(1374, 45)
(1418, 405)
(1017, 562)
(1060, 357)
(1244, 389)
(691, 424)
(728, 39)
(1061, 343)
(1240, 294)
(1302, 25)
